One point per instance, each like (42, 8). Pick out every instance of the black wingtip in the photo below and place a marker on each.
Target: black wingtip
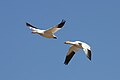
(29, 25)
(89, 55)
(54, 37)
(63, 20)
(89, 59)
(61, 24)
(65, 63)
(68, 58)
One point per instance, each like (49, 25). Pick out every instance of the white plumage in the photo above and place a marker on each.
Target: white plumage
(49, 33)
(74, 48)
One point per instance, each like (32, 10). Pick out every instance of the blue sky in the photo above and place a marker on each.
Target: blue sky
(25, 56)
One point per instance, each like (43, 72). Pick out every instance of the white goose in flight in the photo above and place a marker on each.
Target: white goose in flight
(49, 33)
(74, 48)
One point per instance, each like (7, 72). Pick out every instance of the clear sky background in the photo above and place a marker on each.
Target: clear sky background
(25, 56)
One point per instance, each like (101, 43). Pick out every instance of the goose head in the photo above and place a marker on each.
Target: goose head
(68, 42)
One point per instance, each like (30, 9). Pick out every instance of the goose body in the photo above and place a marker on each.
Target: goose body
(49, 33)
(74, 48)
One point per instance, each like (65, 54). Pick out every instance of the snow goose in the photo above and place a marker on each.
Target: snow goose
(49, 33)
(74, 48)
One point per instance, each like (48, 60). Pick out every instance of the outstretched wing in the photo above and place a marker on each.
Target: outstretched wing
(31, 26)
(87, 50)
(88, 53)
(56, 28)
(70, 54)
